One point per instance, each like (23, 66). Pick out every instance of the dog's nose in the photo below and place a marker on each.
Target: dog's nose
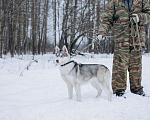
(57, 61)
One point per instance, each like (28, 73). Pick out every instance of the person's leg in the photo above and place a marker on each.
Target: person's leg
(119, 73)
(135, 71)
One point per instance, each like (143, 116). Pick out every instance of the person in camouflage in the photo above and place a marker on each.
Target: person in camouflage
(126, 57)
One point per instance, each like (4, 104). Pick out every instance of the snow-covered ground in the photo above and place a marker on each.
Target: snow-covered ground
(39, 93)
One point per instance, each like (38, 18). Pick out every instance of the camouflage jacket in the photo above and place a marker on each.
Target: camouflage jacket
(117, 15)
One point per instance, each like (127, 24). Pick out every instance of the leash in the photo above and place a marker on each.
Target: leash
(84, 48)
(88, 46)
(135, 32)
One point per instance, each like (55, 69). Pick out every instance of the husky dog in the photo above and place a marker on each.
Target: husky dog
(75, 74)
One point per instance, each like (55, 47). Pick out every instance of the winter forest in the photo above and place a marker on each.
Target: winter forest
(37, 26)
(31, 85)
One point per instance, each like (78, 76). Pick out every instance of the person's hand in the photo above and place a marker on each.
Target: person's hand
(136, 17)
(100, 37)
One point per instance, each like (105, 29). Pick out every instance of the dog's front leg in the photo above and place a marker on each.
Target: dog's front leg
(69, 85)
(70, 90)
(78, 91)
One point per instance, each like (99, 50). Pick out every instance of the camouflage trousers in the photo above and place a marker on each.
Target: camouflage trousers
(126, 58)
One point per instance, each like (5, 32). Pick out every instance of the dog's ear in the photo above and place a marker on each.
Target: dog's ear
(57, 49)
(65, 49)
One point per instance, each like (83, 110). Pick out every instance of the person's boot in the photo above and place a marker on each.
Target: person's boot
(120, 93)
(139, 92)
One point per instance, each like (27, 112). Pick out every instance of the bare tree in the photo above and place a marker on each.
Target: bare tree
(54, 21)
(23, 26)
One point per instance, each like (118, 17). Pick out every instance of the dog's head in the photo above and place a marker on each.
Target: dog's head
(62, 56)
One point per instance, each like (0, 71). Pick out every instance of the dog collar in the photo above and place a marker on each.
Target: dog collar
(67, 63)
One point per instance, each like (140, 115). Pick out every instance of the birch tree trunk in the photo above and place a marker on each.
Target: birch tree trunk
(45, 27)
(94, 28)
(34, 23)
(25, 27)
(64, 36)
(54, 21)
(12, 26)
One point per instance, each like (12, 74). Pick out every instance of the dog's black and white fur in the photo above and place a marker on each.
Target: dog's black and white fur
(75, 74)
